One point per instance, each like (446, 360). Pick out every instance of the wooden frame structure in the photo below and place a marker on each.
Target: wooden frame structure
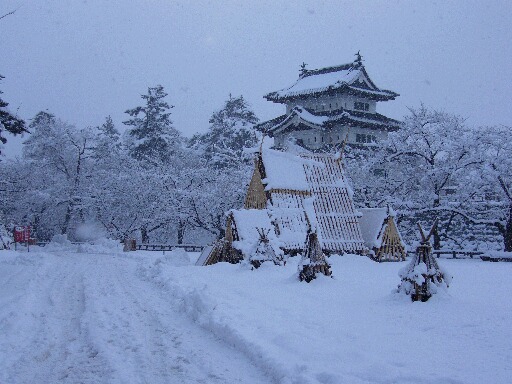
(286, 195)
(423, 271)
(381, 234)
(320, 192)
(313, 260)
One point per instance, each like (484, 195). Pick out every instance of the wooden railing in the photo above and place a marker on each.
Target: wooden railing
(165, 247)
(456, 254)
(148, 247)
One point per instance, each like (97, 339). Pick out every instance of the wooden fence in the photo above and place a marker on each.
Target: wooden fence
(147, 247)
(456, 254)
(165, 247)
(446, 253)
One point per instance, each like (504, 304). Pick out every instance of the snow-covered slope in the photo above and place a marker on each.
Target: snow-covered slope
(142, 317)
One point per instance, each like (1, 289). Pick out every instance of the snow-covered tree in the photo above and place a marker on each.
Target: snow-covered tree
(5, 237)
(8, 122)
(59, 155)
(155, 140)
(264, 251)
(107, 142)
(230, 132)
(418, 169)
(220, 190)
(313, 260)
(226, 168)
(484, 192)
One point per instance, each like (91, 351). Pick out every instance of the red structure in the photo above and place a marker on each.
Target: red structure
(22, 234)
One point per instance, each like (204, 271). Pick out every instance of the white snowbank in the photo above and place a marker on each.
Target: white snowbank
(349, 329)
(352, 328)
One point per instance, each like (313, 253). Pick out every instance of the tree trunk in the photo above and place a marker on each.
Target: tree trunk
(144, 235)
(507, 232)
(181, 231)
(67, 219)
(437, 239)
(221, 227)
(35, 226)
(435, 236)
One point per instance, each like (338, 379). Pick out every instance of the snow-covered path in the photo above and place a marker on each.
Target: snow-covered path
(90, 318)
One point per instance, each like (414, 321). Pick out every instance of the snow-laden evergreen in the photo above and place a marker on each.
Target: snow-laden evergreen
(155, 140)
(9, 122)
(230, 132)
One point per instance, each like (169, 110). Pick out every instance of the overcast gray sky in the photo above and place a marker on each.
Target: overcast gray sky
(86, 59)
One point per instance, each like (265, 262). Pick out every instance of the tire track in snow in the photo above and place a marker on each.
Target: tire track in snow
(48, 343)
(150, 341)
(89, 319)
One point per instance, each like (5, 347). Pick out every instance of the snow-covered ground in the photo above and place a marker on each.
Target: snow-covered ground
(97, 315)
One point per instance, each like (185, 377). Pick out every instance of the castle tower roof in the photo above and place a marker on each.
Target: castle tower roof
(349, 78)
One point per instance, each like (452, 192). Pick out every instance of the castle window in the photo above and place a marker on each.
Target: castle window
(361, 138)
(315, 139)
(360, 106)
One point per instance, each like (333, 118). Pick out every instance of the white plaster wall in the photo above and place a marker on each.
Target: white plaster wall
(332, 103)
(334, 136)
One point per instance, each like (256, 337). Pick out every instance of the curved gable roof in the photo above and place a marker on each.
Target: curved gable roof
(351, 78)
(300, 116)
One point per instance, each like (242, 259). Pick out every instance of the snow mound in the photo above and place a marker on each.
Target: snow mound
(60, 243)
(177, 257)
(101, 246)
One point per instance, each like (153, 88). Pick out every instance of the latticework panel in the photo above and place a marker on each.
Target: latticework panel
(334, 208)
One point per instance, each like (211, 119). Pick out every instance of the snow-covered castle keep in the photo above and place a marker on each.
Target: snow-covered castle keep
(326, 104)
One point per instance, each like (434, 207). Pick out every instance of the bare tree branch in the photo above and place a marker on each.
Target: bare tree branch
(7, 14)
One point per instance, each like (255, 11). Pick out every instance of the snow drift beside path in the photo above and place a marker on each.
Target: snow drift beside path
(352, 328)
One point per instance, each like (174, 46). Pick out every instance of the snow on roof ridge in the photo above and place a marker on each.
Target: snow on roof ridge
(350, 75)
(312, 81)
(283, 171)
(371, 224)
(332, 68)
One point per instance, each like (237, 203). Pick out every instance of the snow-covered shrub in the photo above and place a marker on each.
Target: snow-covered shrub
(313, 260)
(423, 277)
(5, 237)
(265, 251)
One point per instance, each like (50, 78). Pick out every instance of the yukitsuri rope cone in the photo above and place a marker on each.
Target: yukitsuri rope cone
(313, 260)
(264, 251)
(423, 276)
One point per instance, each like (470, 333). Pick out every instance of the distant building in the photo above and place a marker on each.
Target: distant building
(325, 104)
